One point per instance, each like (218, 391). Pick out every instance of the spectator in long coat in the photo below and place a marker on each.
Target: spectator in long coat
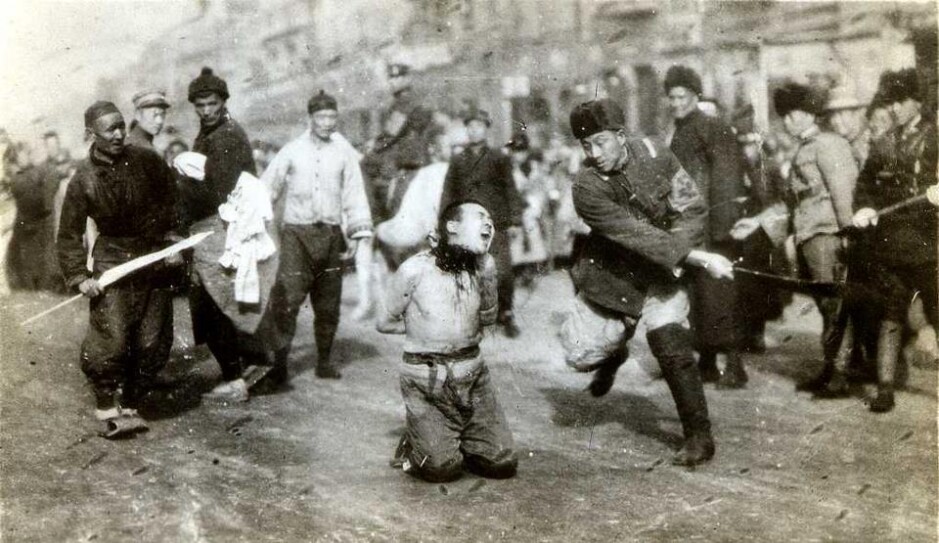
(707, 149)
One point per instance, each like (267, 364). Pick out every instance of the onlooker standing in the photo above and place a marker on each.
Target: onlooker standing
(149, 115)
(321, 181)
(484, 174)
(707, 149)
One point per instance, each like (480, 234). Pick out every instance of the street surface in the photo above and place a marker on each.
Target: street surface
(312, 463)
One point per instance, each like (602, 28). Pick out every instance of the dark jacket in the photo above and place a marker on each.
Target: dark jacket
(132, 200)
(139, 137)
(228, 153)
(907, 237)
(644, 221)
(707, 149)
(485, 175)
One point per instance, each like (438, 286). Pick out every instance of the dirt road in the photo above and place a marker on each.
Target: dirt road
(311, 464)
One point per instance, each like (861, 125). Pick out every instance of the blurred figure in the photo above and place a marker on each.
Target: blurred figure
(528, 248)
(484, 174)
(57, 157)
(31, 262)
(707, 149)
(149, 115)
(846, 116)
(173, 149)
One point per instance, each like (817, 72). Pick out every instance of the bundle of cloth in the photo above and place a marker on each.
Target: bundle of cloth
(247, 242)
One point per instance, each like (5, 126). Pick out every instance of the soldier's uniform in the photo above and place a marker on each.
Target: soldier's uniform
(821, 189)
(644, 221)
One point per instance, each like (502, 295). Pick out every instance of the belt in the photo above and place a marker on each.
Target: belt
(433, 359)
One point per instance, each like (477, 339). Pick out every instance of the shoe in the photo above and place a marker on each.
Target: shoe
(698, 449)
(817, 383)
(733, 376)
(402, 452)
(707, 365)
(511, 330)
(837, 387)
(231, 391)
(883, 400)
(603, 380)
(327, 372)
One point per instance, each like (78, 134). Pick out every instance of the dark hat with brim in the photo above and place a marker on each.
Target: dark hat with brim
(683, 76)
(795, 97)
(321, 101)
(596, 116)
(97, 110)
(207, 83)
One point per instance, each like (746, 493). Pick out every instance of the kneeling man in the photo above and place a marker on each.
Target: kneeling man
(442, 298)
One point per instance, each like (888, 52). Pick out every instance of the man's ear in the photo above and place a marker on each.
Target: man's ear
(451, 227)
(621, 137)
(433, 238)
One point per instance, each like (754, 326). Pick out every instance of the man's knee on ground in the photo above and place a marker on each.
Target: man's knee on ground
(503, 466)
(435, 470)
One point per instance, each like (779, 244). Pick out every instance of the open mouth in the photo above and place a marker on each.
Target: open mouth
(486, 236)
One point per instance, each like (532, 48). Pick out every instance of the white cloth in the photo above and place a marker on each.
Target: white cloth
(190, 164)
(420, 206)
(247, 242)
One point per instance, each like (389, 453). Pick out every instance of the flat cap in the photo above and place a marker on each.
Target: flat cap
(150, 98)
(476, 114)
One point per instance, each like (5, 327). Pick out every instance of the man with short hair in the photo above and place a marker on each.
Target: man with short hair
(646, 215)
(484, 174)
(216, 318)
(899, 250)
(821, 185)
(149, 115)
(707, 149)
(319, 178)
(130, 195)
(846, 116)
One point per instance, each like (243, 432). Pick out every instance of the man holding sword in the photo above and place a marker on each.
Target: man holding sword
(130, 194)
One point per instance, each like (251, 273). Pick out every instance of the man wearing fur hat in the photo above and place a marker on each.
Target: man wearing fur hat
(707, 150)
(129, 193)
(149, 115)
(900, 249)
(319, 178)
(228, 153)
(484, 174)
(646, 216)
(821, 187)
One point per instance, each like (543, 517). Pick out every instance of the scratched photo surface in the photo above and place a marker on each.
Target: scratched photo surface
(683, 288)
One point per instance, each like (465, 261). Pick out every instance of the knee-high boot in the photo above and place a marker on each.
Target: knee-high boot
(672, 346)
(888, 354)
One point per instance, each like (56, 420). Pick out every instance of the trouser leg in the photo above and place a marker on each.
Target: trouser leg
(326, 297)
(672, 346)
(291, 287)
(213, 327)
(888, 354)
(487, 444)
(502, 254)
(104, 352)
(433, 431)
(152, 339)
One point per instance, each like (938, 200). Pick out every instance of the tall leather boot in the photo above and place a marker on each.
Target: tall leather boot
(888, 354)
(837, 385)
(707, 365)
(672, 347)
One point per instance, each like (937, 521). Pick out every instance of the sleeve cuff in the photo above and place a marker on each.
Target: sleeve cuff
(76, 280)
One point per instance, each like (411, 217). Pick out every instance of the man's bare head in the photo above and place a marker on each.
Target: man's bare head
(464, 233)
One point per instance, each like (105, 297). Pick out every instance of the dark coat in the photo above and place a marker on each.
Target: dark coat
(139, 137)
(908, 237)
(133, 202)
(228, 153)
(644, 221)
(31, 259)
(707, 149)
(485, 175)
